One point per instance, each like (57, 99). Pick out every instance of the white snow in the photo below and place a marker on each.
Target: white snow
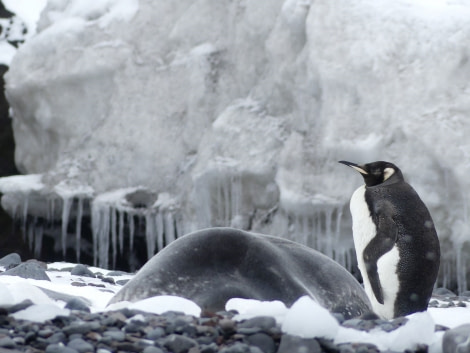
(305, 318)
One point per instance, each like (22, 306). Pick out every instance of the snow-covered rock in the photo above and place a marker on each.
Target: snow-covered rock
(235, 113)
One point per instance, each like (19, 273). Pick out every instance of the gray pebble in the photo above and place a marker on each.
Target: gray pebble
(10, 260)
(263, 341)
(80, 345)
(77, 304)
(7, 342)
(56, 337)
(59, 348)
(294, 344)
(115, 335)
(153, 350)
(457, 340)
(156, 333)
(179, 344)
(28, 270)
(236, 348)
(264, 323)
(82, 270)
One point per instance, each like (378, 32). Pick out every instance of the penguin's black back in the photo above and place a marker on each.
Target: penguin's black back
(398, 211)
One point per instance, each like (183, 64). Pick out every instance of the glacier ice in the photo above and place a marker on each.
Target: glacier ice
(235, 112)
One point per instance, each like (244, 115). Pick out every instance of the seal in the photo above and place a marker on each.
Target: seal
(397, 246)
(211, 266)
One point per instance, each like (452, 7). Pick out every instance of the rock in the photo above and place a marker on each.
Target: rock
(11, 260)
(82, 270)
(152, 350)
(20, 306)
(457, 340)
(264, 323)
(179, 344)
(59, 348)
(115, 335)
(294, 344)
(7, 342)
(443, 292)
(80, 345)
(263, 341)
(28, 270)
(77, 304)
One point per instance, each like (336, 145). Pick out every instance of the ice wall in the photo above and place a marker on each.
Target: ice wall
(237, 112)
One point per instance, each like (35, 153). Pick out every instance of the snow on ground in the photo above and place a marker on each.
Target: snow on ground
(305, 318)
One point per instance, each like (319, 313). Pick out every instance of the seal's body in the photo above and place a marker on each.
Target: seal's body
(211, 266)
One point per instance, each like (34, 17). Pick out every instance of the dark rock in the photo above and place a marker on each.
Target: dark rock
(227, 325)
(20, 306)
(263, 341)
(80, 345)
(236, 348)
(77, 304)
(294, 344)
(179, 344)
(7, 342)
(59, 348)
(122, 282)
(209, 348)
(457, 340)
(11, 260)
(117, 273)
(152, 349)
(82, 270)
(81, 327)
(264, 323)
(56, 337)
(118, 336)
(156, 333)
(28, 270)
(108, 280)
(444, 292)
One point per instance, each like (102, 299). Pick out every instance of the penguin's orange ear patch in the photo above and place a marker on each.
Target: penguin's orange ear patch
(388, 172)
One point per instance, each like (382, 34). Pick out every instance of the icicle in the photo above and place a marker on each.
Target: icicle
(67, 204)
(169, 227)
(25, 213)
(78, 228)
(30, 232)
(226, 199)
(159, 226)
(95, 225)
(130, 218)
(150, 234)
(103, 250)
(38, 240)
(113, 234)
(121, 232)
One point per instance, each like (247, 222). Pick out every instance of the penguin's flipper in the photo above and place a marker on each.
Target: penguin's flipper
(383, 242)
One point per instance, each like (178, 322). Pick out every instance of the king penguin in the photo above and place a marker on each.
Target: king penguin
(396, 244)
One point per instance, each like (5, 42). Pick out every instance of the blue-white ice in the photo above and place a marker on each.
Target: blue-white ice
(238, 111)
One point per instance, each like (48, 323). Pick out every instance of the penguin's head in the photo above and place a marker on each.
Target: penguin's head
(376, 173)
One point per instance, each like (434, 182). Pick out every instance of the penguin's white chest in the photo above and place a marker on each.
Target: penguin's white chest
(364, 230)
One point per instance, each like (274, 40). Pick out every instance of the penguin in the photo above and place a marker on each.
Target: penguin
(396, 243)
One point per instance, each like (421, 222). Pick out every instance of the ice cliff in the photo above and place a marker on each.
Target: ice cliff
(187, 114)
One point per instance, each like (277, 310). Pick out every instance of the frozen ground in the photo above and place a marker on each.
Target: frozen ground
(305, 318)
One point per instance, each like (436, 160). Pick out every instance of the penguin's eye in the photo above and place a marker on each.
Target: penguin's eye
(388, 172)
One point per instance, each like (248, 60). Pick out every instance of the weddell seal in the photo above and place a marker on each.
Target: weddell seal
(211, 266)
(396, 243)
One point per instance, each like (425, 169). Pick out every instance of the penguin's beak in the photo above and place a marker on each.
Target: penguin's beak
(354, 166)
